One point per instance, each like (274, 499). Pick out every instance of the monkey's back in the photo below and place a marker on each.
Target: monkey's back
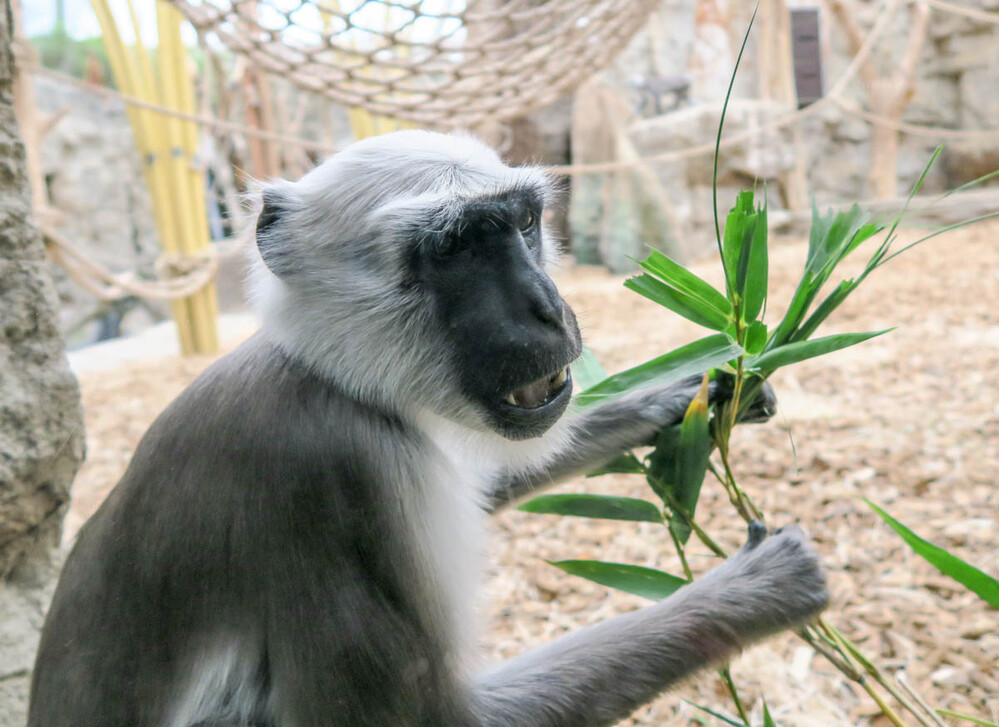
(245, 488)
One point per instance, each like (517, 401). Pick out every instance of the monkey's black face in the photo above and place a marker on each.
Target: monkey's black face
(511, 335)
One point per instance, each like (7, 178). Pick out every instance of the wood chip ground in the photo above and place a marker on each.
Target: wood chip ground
(909, 420)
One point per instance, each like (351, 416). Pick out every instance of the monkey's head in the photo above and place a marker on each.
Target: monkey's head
(410, 269)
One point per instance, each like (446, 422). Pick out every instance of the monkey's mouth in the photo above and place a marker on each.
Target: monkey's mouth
(538, 393)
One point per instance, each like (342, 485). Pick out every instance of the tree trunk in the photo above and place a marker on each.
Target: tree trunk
(41, 422)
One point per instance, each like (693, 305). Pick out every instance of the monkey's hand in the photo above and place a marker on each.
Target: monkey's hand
(773, 583)
(665, 406)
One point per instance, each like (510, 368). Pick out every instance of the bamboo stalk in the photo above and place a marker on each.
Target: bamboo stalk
(190, 209)
(143, 123)
(167, 145)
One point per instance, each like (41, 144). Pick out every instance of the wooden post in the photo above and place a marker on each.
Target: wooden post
(776, 81)
(886, 97)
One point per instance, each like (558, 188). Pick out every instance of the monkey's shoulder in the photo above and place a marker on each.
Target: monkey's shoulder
(273, 440)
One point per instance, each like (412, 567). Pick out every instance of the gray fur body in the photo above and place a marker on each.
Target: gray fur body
(295, 541)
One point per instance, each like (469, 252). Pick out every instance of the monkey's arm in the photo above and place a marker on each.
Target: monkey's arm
(601, 674)
(602, 432)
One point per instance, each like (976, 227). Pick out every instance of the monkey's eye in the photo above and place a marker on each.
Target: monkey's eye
(449, 244)
(529, 222)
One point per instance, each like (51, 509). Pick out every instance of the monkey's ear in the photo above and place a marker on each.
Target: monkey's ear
(273, 239)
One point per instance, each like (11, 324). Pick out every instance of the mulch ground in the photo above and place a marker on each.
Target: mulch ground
(909, 420)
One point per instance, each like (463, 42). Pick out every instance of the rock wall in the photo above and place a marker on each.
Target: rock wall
(96, 188)
(957, 78)
(41, 422)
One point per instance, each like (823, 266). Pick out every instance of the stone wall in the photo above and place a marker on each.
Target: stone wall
(41, 422)
(95, 184)
(957, 78)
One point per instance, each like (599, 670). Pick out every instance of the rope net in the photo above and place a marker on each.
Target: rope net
(441, 63)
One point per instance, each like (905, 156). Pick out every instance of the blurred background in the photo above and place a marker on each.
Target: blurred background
(838, 101)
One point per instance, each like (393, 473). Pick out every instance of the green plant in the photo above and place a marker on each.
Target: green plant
(749, 349)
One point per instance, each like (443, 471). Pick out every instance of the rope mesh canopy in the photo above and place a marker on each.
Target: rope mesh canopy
(439, 63)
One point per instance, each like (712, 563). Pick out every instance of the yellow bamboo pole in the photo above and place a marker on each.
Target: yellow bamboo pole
(168, 146)
(196, 178)
(169, 190)
(193, 238)
(144, 129)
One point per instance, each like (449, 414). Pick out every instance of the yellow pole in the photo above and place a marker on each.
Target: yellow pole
(145, 130)
(171, 77)
(168, 147)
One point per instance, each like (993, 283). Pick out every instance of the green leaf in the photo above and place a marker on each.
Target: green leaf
(694, 358)
(679, 525)
(966, 717)
(687, 306)
(645, 582)
(758, 269)
(718, 136)
(738, 225)
(825, 308)
(833, 236)
(768, 721)
(983, 585)
(756, 337)
(864, 233)
(586, 370)
(718, 715)
(691, 464)
(794, 352)
(626, 464)
(606, 507)
(677, 465)
(660, 470)
(804, 294)
(679, 277)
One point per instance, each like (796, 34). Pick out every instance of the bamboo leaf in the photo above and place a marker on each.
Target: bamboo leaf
(758, 269)
(692, 462)
(677, 465)
(756, 337)
(794, 352)
(718, 715)
(694, 358)
(605, 507)
(864, 233)
(645, 582)
(737, 224)
(825, 308)
(768, 721)
(804, 294)
(586, 370)
(718, 135)
(983, 585)
(687, 306)
(679, 277)
(659, 472)
(626, 464)
(966, 718)
(832, 237)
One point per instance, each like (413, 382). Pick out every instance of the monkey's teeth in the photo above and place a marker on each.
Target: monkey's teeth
(539, 392)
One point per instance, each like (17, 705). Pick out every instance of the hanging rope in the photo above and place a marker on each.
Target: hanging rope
(440, 63)
(180, 276)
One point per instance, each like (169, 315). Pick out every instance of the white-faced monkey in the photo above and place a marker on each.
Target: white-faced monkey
(294, 542)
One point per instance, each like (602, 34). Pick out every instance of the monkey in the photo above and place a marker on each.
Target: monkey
(295, 540)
